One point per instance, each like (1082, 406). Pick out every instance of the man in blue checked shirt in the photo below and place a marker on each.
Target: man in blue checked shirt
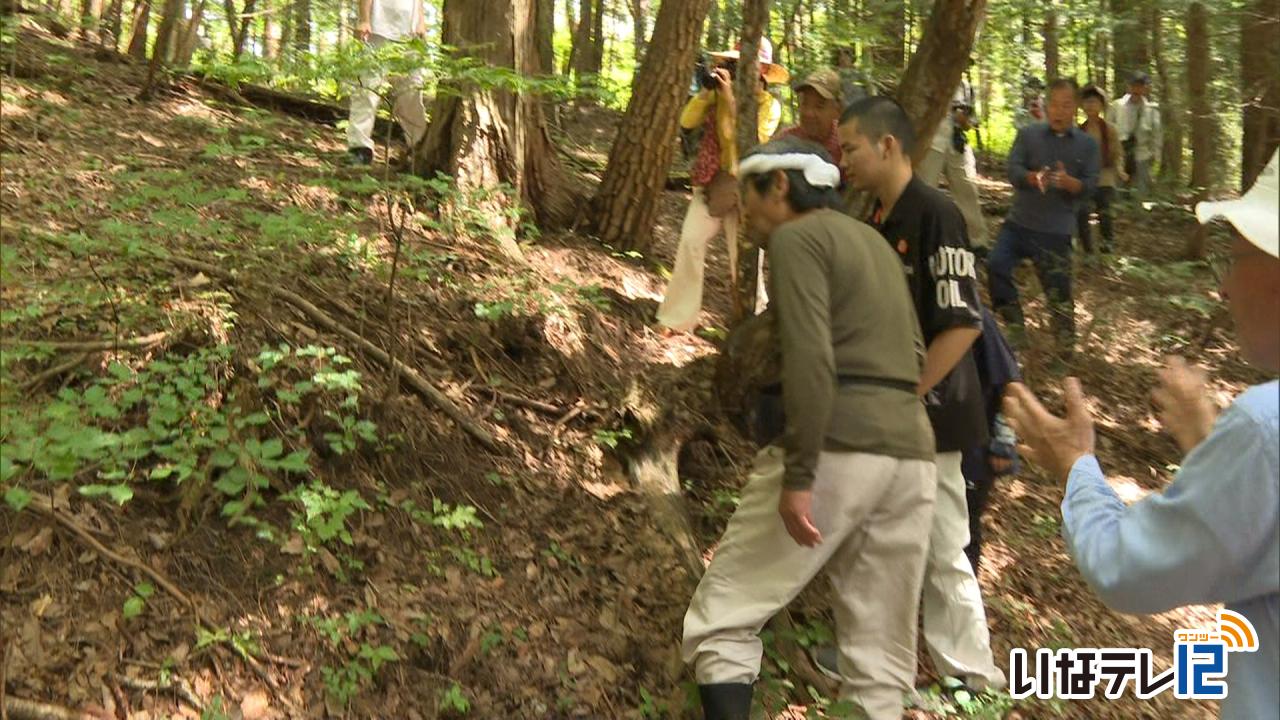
(1213, 535)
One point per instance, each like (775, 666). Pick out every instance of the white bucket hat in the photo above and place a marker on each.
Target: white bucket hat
(1257, 213)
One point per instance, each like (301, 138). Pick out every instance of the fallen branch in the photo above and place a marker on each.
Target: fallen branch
(54, 371)
(21, 709)
(178, 686)
(411, 376)
(45, 507)
(545, 408)
(90, 345)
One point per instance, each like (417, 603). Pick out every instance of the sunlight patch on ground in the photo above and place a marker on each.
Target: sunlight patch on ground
(1127, 488)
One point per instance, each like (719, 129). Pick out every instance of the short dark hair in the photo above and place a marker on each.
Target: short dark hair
(1093, 91)
(879, 116)
(800, 194)
(1065, 82)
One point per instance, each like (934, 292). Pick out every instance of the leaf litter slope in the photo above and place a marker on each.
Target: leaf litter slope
(407, 571)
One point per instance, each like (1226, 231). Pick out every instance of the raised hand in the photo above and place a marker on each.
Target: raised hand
(1055, 443)
(1185, 409)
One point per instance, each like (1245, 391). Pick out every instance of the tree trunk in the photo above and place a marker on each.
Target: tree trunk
(484, 138)
(1198, 71)
(246, 22)
(715, 26)
(113, 20)
(755, 15)
(189, 37)
(90, 19)
(625, 207)
(1132, 51)
(640, 25)
(888, 53)
(597, 40)
(271, 31)
(582, 49)
(163, 45)
(1260, 84)
(302, 26)
(546, 32)
(141, 19)
(1170, 107)
(937, 66)
(1050, 44)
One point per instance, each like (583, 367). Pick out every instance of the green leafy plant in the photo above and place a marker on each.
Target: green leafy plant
(134, 606)
(452, 700)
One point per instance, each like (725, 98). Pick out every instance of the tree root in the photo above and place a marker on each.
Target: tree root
(411, 376)
(17, 708)
(178, 686)
(92, 345)
(45, 507)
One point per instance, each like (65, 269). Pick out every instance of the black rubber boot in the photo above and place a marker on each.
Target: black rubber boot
(360, 156)
(726, 701)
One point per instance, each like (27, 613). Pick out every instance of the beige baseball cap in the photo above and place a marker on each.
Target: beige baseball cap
(1256, 214)
(825, 82)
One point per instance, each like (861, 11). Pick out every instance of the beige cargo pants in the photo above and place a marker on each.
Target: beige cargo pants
(874, 513)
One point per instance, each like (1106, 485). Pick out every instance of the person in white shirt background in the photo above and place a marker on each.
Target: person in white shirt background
(1137, 120)
(381, 22)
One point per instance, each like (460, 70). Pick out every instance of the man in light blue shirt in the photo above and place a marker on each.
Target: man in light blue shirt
(1214, 534)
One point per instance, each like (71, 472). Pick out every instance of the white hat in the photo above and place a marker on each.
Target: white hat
(1257, 213)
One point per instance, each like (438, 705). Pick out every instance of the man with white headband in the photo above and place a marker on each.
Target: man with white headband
(848, 486)
(929, 235)
(1213, 535)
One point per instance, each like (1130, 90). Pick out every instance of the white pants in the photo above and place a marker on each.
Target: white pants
(682, 300)
(407, 105)
(955, 624)
(873, 512)
(960, 169)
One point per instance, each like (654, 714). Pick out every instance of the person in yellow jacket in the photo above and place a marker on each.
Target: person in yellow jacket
(715, 111)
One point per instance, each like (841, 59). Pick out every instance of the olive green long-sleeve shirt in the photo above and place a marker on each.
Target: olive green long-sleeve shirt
(850, 344)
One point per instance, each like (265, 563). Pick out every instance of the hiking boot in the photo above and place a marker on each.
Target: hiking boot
(360, 156)
(726, 701)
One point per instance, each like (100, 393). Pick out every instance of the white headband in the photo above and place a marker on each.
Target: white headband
(817, 171)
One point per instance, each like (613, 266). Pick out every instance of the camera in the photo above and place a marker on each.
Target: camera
(707, 81)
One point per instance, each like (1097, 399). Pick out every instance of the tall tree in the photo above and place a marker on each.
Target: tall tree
(888, 51)
(138, 37)
(640, 25)
(1260, 86)
(188, 36)
(597, 39)
(755, 16)
(90, 18)
(546, 32)
(1198, 70)
(625, 207)
(937, 66)
(1051, 43)
(302, 25)
(160, 51)
(715, 26)
(483, 137)
(581, 52)
(1132, 50)
(1170, 105)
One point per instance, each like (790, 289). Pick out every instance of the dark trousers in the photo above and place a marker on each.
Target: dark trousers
(1100, 203)
(978, 479)
(1051, 255)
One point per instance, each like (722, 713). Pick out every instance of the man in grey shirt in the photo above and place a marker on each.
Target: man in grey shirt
(1052, 166)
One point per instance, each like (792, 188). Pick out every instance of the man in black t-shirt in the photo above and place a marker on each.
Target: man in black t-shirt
(928, 233)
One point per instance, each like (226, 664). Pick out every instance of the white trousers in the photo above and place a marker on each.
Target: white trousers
(682, 300)
(960, 169)
(873, 512)
(955, 624)
(406, 106)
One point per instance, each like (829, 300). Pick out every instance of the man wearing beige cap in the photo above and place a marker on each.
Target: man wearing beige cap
(819, 96)
(1213, 535)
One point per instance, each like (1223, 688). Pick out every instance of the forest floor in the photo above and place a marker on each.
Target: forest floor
(220, 503)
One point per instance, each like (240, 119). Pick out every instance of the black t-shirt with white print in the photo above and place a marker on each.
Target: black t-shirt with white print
(928, 232)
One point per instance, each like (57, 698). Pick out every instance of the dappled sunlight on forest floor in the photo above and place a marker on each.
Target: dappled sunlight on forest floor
(337, 543)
